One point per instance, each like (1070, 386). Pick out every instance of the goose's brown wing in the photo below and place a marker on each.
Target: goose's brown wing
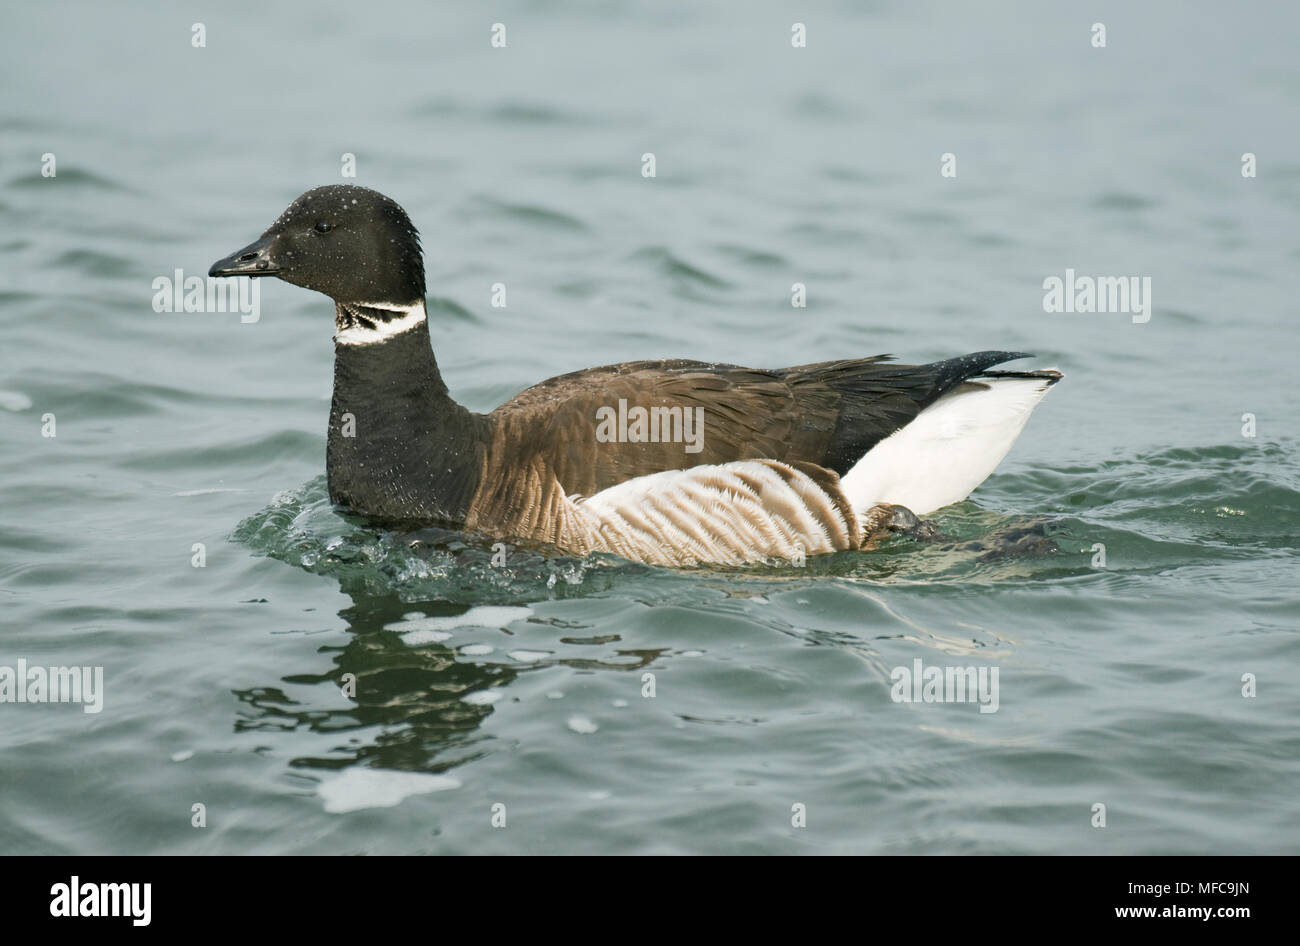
(829, 414)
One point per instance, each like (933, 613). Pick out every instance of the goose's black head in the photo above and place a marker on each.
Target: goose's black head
(351, 243)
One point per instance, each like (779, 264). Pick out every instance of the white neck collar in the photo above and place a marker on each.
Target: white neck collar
(411, 316)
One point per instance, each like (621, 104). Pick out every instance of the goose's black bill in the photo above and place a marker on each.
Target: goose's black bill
(253, 260)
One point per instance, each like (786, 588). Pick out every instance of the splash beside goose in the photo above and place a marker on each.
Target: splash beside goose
(791, 462)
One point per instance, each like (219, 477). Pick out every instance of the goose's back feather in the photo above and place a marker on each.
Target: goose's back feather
(829, 414)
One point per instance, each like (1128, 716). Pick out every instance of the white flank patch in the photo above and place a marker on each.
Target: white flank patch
(949, 449)
(412, 315)
(359, 788)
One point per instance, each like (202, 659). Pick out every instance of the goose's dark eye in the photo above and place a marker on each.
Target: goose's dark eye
(324, 226)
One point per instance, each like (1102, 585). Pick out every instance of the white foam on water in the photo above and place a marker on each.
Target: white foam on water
(415, 638)
(482, 697)
(529, 656)
(14, 401)
(359, 788)
(487, 616)
(582, 724)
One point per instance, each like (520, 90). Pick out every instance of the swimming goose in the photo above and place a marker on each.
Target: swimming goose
(668, 462)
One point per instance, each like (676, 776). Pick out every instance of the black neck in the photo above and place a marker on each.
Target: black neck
(400, 449)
